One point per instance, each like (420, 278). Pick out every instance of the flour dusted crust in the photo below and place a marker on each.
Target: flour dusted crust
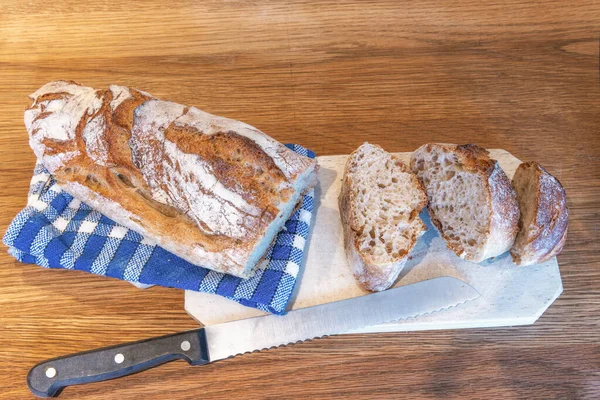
(544, 215)
(496, 208)
(212, 190)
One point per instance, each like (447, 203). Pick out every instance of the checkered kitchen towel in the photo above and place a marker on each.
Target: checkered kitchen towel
(55, 230)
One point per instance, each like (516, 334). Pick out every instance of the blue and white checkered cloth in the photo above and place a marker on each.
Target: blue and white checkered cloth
(55, 230)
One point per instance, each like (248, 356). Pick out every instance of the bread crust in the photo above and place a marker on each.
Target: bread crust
(204, 187)
(502, 210)
(370, 275)
(545, 237)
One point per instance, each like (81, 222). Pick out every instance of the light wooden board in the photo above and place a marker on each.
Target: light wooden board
(510, 295)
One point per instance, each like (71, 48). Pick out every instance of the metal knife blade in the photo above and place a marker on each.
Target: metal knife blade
(237, 337)
(216, 342)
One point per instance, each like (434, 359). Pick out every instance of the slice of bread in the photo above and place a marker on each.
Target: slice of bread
(471, 200)
(544, 215)
(380, 202)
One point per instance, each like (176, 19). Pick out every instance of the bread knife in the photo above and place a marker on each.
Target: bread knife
(218, 342)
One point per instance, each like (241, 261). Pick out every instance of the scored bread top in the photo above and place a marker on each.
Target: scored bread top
(208, 186)
(471, 200)
(544, 215)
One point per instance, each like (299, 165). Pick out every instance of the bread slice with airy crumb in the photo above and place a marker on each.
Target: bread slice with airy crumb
(380, 202)
(471, 200)
(544, 215)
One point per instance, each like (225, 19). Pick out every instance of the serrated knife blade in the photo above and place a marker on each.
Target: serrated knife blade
(217, 342)
(238, 337)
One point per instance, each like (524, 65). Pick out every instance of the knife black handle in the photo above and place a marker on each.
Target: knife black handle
(48, 378)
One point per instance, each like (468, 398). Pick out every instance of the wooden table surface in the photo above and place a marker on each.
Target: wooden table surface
(517, 75)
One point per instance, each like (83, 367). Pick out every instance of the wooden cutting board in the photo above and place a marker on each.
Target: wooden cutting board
(510, 295)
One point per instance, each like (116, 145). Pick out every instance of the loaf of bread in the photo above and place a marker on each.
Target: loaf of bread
(211, 190)
(471, 200)
(544, 215)
(379, 203)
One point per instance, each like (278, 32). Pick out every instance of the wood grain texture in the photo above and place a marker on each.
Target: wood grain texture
(517, 75)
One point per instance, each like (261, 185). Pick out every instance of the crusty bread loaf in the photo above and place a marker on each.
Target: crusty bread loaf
(380, 202)
(544, 215)
(471, 200)
(211, 190)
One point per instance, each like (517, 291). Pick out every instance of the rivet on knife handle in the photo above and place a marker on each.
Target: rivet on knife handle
(48, 378)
